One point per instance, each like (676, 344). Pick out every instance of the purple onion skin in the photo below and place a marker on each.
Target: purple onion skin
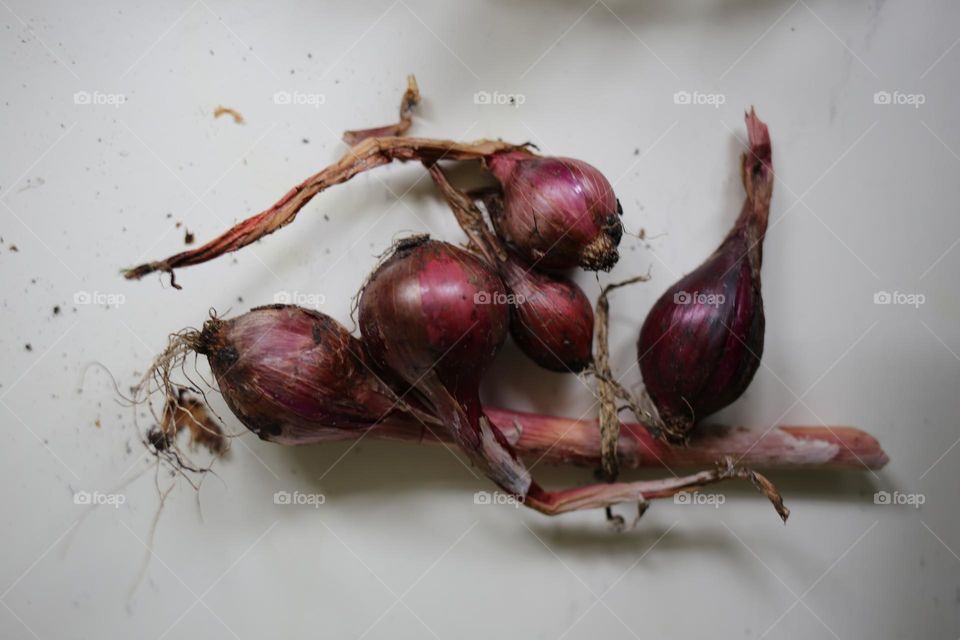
(436, 315)
(293, 375)
(551, 319)
(559, 213)
(698, 357)
(432, 307)
(701, 343)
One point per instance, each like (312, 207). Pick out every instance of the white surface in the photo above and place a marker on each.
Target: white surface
(879, 187)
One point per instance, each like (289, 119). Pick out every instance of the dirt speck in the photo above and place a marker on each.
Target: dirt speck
(32, 183)
(188, 237)
(236, 115)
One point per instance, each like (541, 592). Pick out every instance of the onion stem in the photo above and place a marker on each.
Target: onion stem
(568, 441)
(368, 154)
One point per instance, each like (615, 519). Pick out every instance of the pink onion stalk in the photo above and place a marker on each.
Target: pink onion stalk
(295, 376)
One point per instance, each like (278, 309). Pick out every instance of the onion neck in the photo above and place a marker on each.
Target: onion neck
(504, 163)
(756, 172)
(486, 445)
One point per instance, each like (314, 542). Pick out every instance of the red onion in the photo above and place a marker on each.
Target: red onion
(551, 319)
(701, 343)
(294, 375)
(558, 213)
(437, 315)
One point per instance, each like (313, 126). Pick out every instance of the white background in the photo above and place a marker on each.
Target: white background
(866, 202)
